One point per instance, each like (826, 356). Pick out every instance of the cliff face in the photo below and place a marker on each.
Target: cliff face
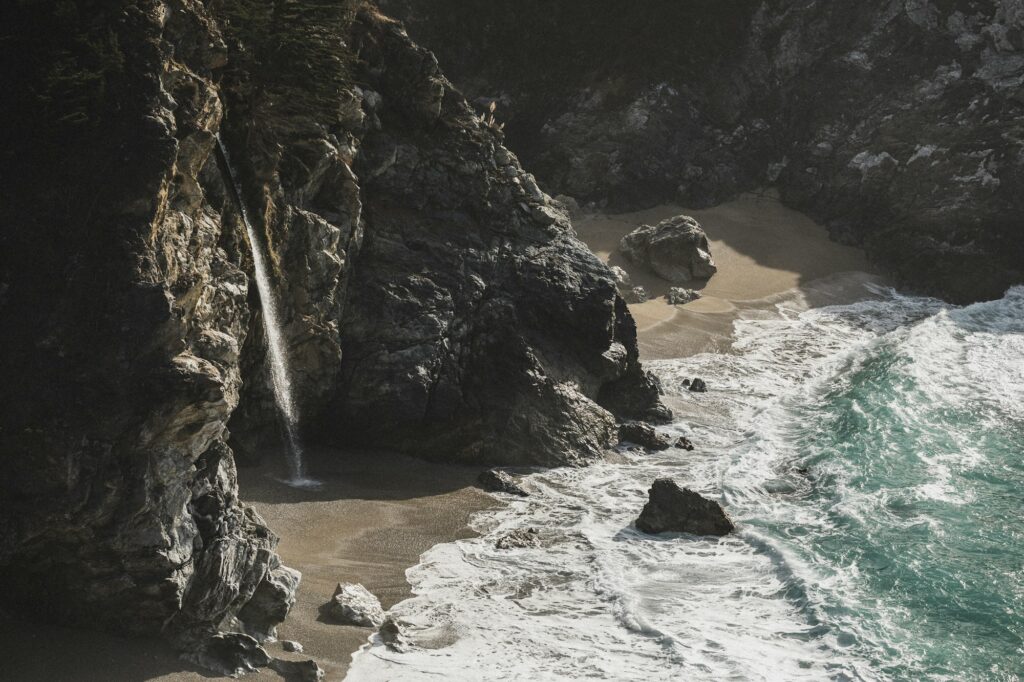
(434, 299)
(898, 123)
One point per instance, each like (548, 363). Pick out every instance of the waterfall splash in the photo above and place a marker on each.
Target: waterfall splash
(280, 373)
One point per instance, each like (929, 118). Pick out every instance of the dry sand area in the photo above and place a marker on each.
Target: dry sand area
(764, 252)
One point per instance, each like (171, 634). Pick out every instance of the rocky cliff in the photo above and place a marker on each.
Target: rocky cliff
(434, 299)
(898, 123)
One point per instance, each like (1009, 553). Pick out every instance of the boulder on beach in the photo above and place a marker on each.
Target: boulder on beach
(270, 603)
(676, 249)
(392, 636)
(671, 509)
(496, 481)
(680, 296)
(697, 385)
(644, 435)
(299, 671)
(519, 539)
(352, 604)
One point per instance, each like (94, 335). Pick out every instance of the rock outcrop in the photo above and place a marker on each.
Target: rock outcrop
(495, 481)
(671, 509)
(676, 249)
(644, 435)
(897, 123)
(353, 604)
(433, 298)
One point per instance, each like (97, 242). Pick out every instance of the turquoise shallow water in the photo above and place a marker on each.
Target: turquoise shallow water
(873, 456)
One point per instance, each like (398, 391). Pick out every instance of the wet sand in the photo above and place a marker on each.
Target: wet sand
(764, 252)
(373, 517)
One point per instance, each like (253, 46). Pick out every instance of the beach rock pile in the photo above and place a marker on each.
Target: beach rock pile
(644, 435)
(353, 604)
(495, 481)
(519, 539)
(676, 249)
(680, 510)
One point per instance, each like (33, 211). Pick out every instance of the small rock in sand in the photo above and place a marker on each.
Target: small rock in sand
(495, 481)
(301, 671)
(670, 508)
(698, 386)
(291, 646)
(680, 296)
(519, 539)
(635, 295)
(352, 604)
(643, 435)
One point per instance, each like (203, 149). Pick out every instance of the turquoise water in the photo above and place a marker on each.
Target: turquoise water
(873, 456)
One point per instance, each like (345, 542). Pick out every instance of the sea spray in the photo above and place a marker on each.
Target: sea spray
(280, 372)
(871, 456)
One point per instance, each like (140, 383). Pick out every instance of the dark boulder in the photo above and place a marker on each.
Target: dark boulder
(684, 443)
(671, 509)
(698, 386)
(495, 481)
(643, 435)
(297, 671)
(676, 249)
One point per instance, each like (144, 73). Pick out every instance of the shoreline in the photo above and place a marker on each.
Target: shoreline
(765, 252)
(377, 512)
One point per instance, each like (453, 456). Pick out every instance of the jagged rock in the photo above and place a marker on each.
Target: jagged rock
(676, 249)
(644, 435)
(299, 671)
(900, 155)
(680, 296)
(353, 604)
(392, 636)
(291, 646)
(494, 481)
(684, 443)
(698, 386)
(229, 653)
(680, 510)
(519, 539)
(635, 294)
(270, 603)
(475, 327)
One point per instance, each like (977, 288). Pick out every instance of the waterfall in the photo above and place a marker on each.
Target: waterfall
(280, 373)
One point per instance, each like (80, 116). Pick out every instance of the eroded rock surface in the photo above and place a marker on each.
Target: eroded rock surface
(676, 249)
(495, 481)
(353, 604)
(898, 124)
(680, 510)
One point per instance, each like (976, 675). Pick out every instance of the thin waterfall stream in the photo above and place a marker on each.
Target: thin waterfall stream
(280, 372)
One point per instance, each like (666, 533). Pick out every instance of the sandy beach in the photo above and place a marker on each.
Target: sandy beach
(763, 251)
(376, 513)
(369, 522)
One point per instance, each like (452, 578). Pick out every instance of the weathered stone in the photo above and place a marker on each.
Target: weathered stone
(229, 653)
(676, 249)
(681, 296)
(392, 636)
(680, 510)
(270, 603)
(299, 671)
(352, 604)
(519, 539)
(644, 435)
(494, 481)
(684, 443)
(698, 385)
(291, 646)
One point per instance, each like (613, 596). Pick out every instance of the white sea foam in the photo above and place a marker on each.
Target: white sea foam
(822, 434)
